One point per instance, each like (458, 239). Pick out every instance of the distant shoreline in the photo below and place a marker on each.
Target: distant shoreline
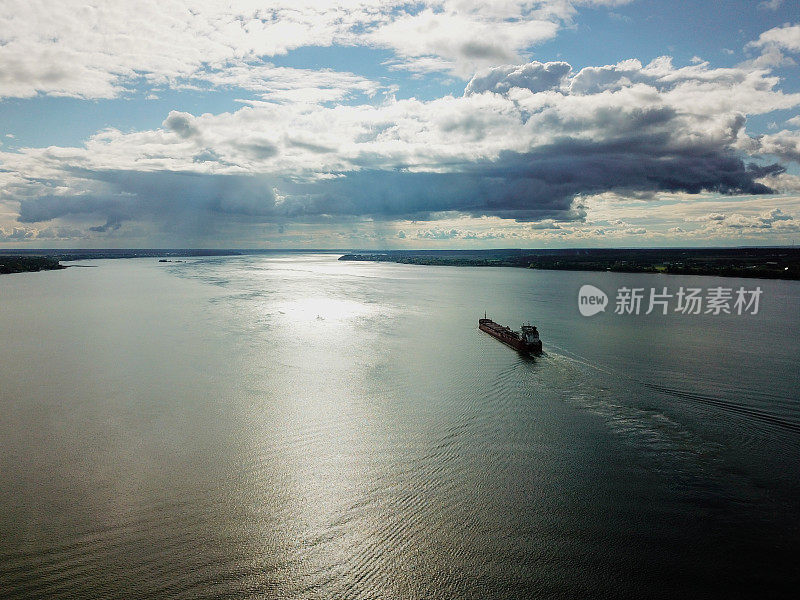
(28, 264)
(753, 262)
(31, 261)
(758, 263)
(110, 253)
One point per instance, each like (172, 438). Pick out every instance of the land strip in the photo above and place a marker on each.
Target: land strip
(765, 263)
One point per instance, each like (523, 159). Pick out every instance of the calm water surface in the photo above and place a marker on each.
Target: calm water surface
(291, 426)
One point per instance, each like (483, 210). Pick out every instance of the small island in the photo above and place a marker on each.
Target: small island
(27, 264)
(764, 263)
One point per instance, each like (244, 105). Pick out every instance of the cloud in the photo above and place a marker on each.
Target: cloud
(524, 142)
(465, 36)
(525, 187)
(656, 108)
(438, 234)
(534, 76)
(173, 199)
(101, 49)
(61, 233)
(770, 4)
(773, 44)
(109, 226)
(260, 148)
(547, 224)
(286, 84)
(16, 234)
(774, 218)
(486, 235)
(181, 123)
(92, 49)
(786, 38)
(784, 144)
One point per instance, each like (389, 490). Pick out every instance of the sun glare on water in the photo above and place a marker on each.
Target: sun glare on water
(322, 308)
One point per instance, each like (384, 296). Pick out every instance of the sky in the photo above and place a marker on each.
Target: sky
(387, 124)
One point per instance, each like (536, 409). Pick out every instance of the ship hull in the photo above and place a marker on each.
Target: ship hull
(504, 335)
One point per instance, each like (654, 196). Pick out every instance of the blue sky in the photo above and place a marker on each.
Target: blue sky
(381, 124)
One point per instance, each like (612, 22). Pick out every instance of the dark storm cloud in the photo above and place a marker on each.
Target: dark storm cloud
(399, 194)
(526, 187)
(534, 186)
(633, 164)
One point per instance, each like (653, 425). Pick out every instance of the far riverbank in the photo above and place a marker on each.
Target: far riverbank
(762, 263)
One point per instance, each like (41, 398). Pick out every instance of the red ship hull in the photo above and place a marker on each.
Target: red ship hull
(508, 337)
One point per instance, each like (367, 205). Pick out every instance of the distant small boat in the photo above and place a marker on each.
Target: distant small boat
(525, 341)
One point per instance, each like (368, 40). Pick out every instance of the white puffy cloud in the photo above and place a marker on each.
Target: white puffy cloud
(284, 84)
(534, 76)
(654, 109)
(438, 234)
(100, 49)
(784, 144)
(773, 46)
(465, 35)
(786, 38)
(17, 234)
(769, 219)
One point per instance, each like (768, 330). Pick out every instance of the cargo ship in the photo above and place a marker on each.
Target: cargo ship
(525, 341)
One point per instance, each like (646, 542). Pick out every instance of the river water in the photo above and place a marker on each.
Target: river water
(293, 426)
